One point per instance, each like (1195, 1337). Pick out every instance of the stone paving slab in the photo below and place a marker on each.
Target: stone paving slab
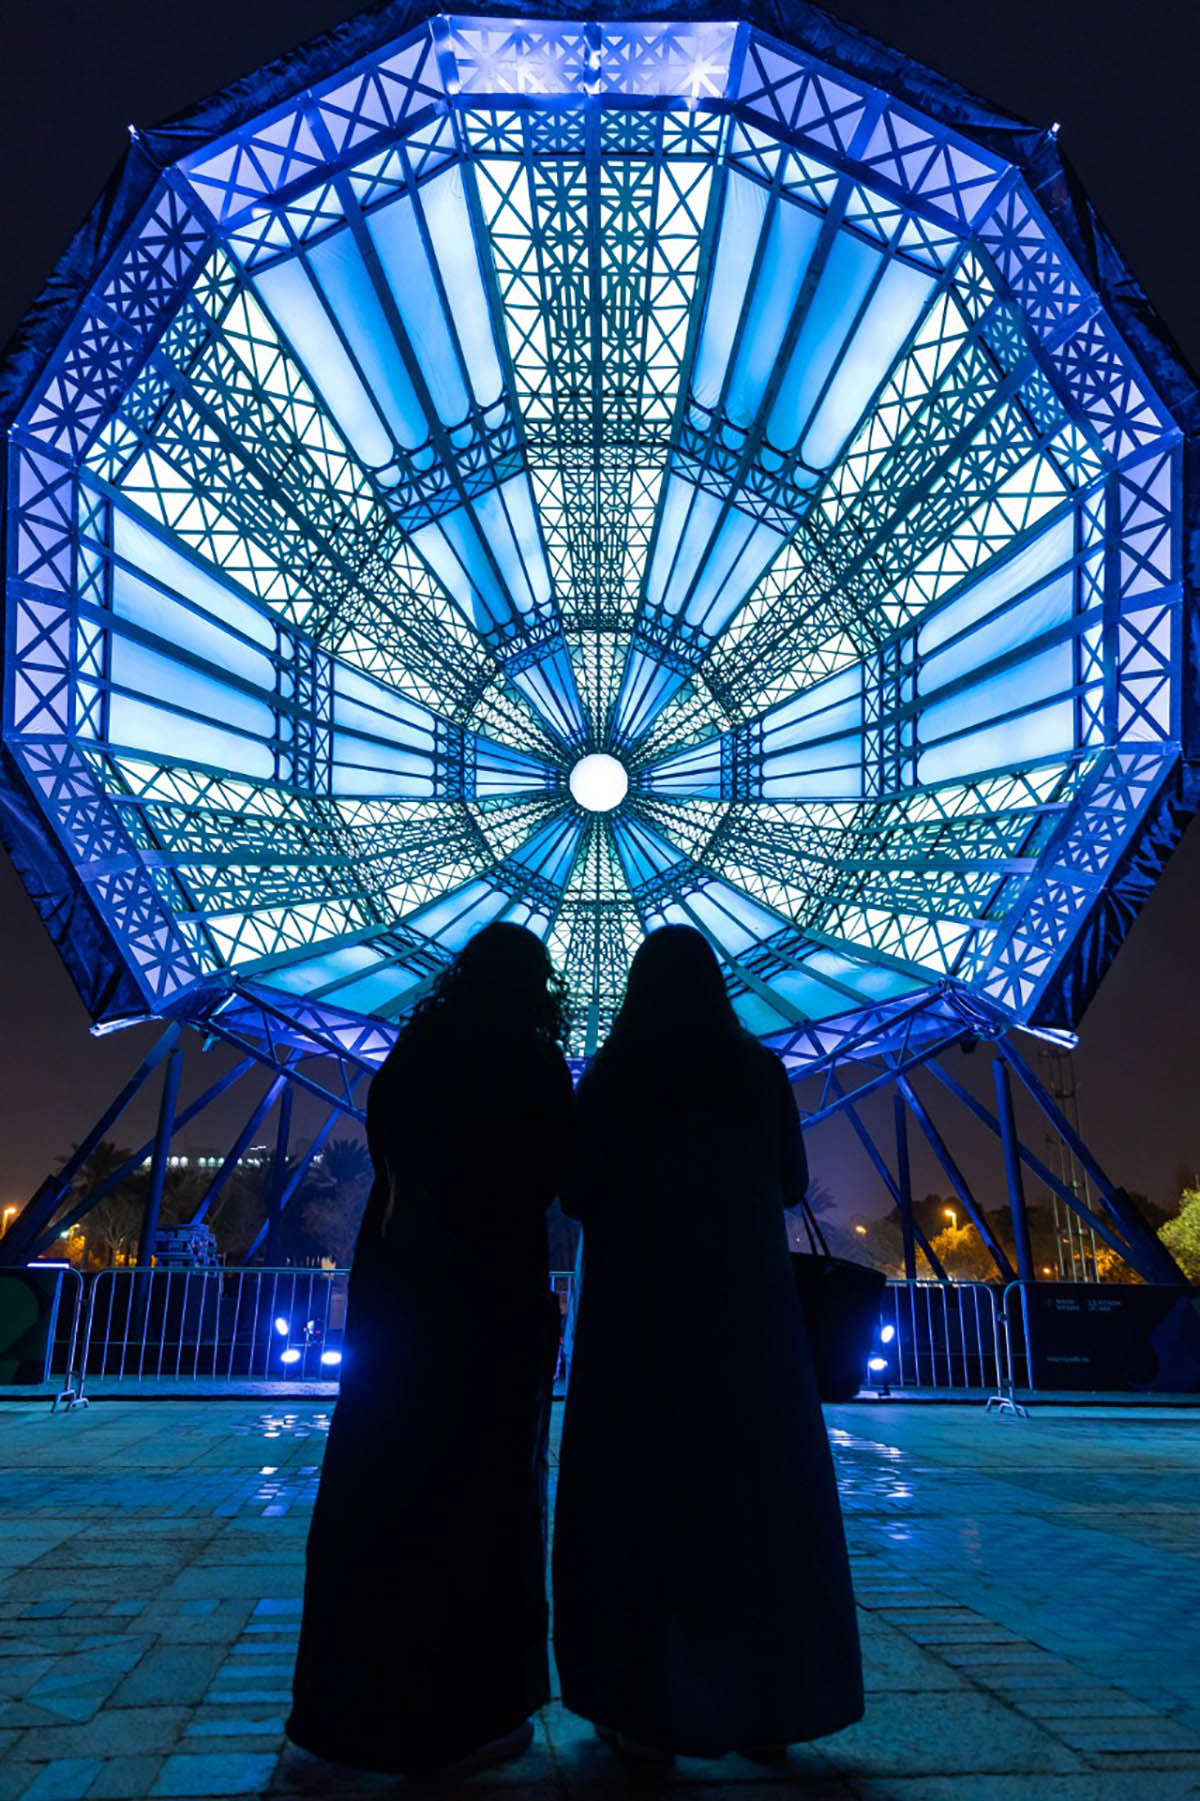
(1029, 1594)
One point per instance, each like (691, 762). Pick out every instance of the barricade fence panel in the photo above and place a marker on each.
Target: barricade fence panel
(40, 1312)
(214, 1325)
(253, 1325)
(287, 1325)
(939, 1335)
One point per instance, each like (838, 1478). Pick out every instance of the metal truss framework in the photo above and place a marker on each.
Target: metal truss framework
(883, 1049)
(517, 390)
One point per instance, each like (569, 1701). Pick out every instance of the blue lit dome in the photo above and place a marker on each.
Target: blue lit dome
(467, 413)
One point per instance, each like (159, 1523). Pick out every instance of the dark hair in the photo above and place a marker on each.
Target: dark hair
(676, 1036)
(502, 980)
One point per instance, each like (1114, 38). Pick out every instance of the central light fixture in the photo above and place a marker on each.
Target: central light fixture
(599, 783)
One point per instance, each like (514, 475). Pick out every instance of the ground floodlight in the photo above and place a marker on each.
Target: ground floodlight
(594, 474)
(291, 1355)
(875, 1364)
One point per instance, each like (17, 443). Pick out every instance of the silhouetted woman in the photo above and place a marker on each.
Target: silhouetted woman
(424, 1632)
(701, 1586)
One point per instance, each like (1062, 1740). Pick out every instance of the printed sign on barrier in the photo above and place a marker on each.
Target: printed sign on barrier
(1112, 1336)
(29, 1300)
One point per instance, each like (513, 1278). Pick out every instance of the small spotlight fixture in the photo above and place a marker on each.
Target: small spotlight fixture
(886, 1334)
(282, 1326)
(331, 1356)
(291, 1355)
(875, 1364)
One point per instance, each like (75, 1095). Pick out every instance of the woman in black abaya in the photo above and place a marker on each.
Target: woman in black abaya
(424, 1632)
(701, 1585)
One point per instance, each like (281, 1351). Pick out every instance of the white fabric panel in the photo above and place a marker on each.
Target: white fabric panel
(744, 210)
(354, 690)
(759, 546)
(791, 237)
(893, 311)
(148, 552)
(138, 725)
(1005, 630)
(845, 281)
(1046, 732)
(296, 305)
(676, 501)
(341, 272)
(187, 629)
(401, 249)
(1035, 679)
(146, 671)
(1048, 551)
(830, 706)
(448, 218)
(702, 519)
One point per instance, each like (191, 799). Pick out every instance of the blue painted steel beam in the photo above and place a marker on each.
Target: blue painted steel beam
(296, 1177)
(1102, 1228)
(956, 1179)
(237, 1150)
(904, 1186)
(1012, 1171)
(890, 1183)
(158, 1167)
(16, 1246)
(138, 1158)
(1151, 1253)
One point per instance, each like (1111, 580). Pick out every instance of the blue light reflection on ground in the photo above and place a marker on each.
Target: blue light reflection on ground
(1027, 1593)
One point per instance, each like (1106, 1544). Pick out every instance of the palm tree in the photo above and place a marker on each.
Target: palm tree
(331, 1202)
(110, 1228)
(821, 1200)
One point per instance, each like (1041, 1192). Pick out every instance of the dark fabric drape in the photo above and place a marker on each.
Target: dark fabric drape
(424, 1628)
(702, 1589)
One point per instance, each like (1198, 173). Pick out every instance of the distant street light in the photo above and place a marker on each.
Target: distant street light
(861, 1230)
(952, 1216)
(8, 1213)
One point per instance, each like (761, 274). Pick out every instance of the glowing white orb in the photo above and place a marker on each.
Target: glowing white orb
(598, 783)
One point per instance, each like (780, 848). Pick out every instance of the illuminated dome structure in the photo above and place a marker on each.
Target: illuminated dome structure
(593, 473)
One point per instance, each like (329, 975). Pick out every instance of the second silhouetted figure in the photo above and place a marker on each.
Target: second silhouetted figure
(702, 1589)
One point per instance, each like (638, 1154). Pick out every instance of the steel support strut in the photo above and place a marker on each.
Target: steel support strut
(1012, 1172)
(1146, 1252)
(21, 1242)
(904, 1184)
(158, 1166)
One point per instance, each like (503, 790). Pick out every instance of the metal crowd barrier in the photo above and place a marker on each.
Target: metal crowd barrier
(214, 1325)
(62, 1364)
(283, 1326)
(1003, 1399)
(940, 1335)
(64, 1333)
(181, 1326)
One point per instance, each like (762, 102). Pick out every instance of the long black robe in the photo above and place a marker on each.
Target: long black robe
(701, 1585)
(424, 1628)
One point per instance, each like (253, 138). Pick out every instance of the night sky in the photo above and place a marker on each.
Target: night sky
(1120, 80)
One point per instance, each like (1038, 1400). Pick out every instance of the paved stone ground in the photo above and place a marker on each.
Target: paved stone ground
(1030, 1596)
